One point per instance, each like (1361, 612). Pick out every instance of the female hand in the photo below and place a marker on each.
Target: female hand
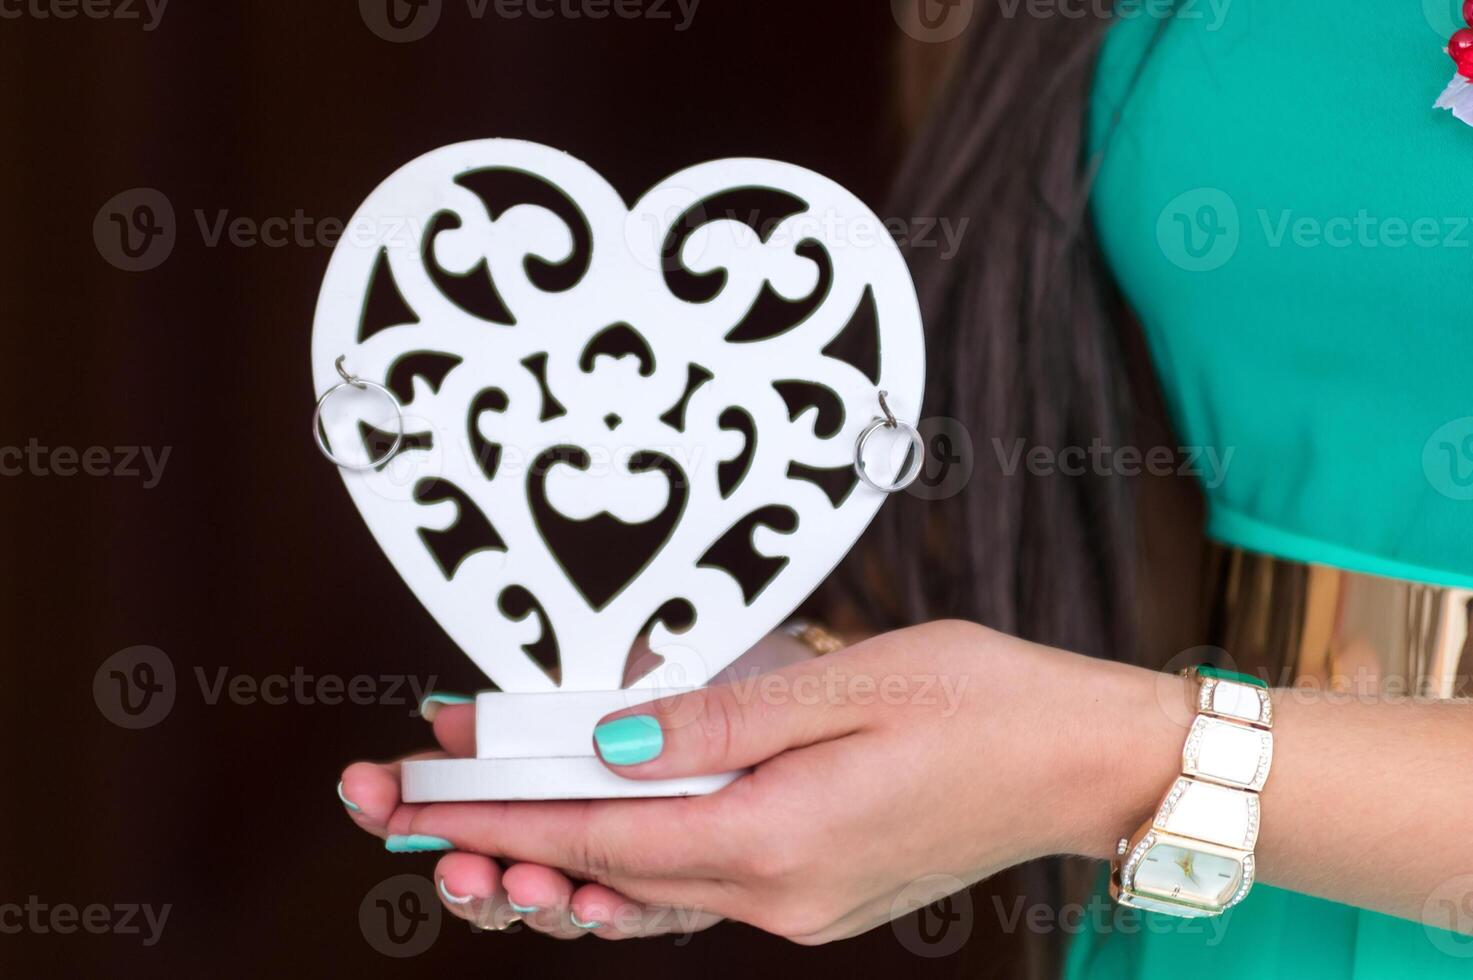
(944, 749)
(473, 886)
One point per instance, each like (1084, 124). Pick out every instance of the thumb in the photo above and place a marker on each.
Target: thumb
(729, 726)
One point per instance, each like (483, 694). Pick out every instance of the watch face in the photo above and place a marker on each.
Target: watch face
(1185, 875)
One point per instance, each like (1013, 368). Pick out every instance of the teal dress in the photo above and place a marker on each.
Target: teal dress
(1292, 222)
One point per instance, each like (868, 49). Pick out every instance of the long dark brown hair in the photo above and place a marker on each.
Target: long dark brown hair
(1025, 340)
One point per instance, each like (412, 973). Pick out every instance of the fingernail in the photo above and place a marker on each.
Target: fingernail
(630, 740)
(522, 909)
(583, 925)
(430, 706)
(347, 802)
(453, 898)
(414, 843)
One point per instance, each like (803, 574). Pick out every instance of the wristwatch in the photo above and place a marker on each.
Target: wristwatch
(1195, 856)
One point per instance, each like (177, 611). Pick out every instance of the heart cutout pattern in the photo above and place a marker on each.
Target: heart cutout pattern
(600, 575)
(619, 421)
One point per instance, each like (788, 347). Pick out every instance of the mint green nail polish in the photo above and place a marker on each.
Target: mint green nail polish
(435, 699)
(522, 909)
(414, 843)
(347, 802)
(584, 925)
(630, 740)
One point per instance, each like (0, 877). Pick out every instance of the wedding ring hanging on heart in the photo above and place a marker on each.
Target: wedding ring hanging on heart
(913, 447)
(354, 391)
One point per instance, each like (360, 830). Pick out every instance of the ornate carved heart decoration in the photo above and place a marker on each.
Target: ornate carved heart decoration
(617, 420)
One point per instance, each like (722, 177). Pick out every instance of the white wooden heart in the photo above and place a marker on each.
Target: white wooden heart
(641, 391)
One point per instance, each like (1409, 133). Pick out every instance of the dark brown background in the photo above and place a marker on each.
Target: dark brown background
(248, 554)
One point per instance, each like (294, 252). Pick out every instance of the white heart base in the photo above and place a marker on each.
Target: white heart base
(540, 747)
(541, 778)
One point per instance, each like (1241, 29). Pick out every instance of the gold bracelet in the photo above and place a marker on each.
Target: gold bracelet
(813, 636)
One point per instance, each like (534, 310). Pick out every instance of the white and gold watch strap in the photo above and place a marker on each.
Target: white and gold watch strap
(1213, 807)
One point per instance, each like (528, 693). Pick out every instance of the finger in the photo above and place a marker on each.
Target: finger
(606, 913)
(619, 917)
(437, 701)
(469, 886)
(731, 726)
(594, 839)
(455, 729)
(369, 792)
(533, 888)
(542, 897)
(453, 718)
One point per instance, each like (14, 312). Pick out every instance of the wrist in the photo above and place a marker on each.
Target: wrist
(1123, 754)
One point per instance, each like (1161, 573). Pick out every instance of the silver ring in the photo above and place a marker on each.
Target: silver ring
(917, 456)
(353, 381)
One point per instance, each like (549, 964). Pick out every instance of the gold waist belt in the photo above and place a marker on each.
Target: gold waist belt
(1340, 632)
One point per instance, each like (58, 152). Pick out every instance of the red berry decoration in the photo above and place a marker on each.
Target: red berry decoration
(1461, 43)
(1460, 49)
(1458, 96)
